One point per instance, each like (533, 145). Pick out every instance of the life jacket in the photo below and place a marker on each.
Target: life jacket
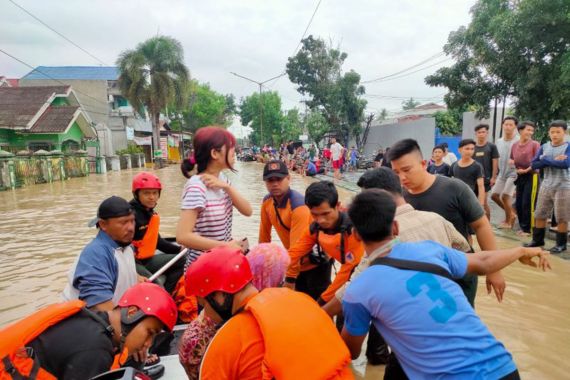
(310, 349)
(17, 361)
(187, 305)
(332, 240)
(146, 247)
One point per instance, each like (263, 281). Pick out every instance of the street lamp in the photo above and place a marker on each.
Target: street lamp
(260, 84)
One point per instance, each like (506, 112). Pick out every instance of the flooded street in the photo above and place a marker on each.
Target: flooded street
(44, 227)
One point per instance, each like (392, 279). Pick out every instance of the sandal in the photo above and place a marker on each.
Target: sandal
(505, 226)
(152, 360)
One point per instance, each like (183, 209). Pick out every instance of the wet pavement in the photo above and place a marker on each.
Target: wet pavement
(44, 227)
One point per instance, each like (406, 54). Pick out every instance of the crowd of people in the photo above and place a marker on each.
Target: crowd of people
(405, 273)
(310, 161)
(529, 182)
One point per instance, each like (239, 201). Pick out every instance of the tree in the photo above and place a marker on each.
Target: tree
(448, 122)
(317, 71)
(268, 106)
(152, 76)
(515, 49)
(317, 126)
(291, 127)
(383, 115)
(410, 104)
(207, 107)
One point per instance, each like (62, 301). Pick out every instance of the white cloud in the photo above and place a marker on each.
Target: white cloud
(252, 38)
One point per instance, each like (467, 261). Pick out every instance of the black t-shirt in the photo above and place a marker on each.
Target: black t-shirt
(484, 155)
(450, 198)
(379, 157)
(442, 169)
(291, 149)
(468, 174)
(76, 348)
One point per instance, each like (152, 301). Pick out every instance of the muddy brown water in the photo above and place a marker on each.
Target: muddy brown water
(44, 227)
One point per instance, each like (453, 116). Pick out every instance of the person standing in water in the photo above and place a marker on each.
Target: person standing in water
(208, 197)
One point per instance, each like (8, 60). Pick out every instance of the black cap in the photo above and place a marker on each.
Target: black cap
(275, 169)
(113, 207)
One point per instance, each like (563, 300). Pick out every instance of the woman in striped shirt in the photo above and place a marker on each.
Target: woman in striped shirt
(208, 197)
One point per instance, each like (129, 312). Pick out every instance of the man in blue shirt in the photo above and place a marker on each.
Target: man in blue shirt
(424, 317)
(106, 268)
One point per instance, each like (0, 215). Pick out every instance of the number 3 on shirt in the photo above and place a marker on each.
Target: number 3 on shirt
(421, 280)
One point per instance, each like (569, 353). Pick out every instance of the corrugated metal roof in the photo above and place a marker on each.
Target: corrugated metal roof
(74, 72)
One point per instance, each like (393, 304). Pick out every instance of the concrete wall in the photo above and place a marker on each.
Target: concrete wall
(385, 135)
(470, 121)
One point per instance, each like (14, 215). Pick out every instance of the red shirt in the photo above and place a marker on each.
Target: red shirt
(523, 154)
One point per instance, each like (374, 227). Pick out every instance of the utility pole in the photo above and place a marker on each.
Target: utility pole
(260, 84)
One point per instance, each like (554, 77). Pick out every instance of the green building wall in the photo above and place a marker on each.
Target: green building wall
(21, 141)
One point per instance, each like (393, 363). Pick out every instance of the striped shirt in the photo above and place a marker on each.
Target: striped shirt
(214, 212)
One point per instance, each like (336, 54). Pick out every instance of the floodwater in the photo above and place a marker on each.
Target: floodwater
(44, 227)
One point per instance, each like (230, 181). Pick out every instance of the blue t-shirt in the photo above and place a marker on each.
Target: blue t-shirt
(311, 168)
(97, 270)
(426, 318)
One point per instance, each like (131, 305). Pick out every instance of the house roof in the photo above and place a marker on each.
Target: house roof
(54, 120)
(19, 105)
(74, 72)
(8, 82)
(430, 106)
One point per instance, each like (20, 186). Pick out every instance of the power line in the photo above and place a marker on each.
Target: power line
(58, 33)
(416, 71)
(437, 55)
(301, 39)
(307, 28)
(56, 80)
(375, 96)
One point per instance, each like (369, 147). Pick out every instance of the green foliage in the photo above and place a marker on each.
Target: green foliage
(263, 113)
(130, 149)
(154, 75)
(383, 115)
(410, 104)
(515, 48)
(317, 125)
(317, 71)
(292, 126)
(206, 107)
(448, 122)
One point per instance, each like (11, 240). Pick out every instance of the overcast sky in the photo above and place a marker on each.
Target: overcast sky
(251, 38)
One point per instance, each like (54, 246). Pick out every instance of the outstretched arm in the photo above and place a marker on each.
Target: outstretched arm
(485, 262)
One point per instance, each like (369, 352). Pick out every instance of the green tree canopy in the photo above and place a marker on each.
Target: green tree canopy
(292, 126)
(154, 75)
(317, 71)
(207, 107)
(449, 122)
(255, 110)
(519, 49)
(317, 125)
(410, 104)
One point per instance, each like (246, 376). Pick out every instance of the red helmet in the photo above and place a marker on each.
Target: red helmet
(146, 180)
(222, 269)
(152, 300)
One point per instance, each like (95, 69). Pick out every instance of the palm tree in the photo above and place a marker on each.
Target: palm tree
(154, 75)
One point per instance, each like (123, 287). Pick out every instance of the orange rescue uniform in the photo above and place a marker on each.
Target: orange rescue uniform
(330, 244)
(294, 219)
(265, 342)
